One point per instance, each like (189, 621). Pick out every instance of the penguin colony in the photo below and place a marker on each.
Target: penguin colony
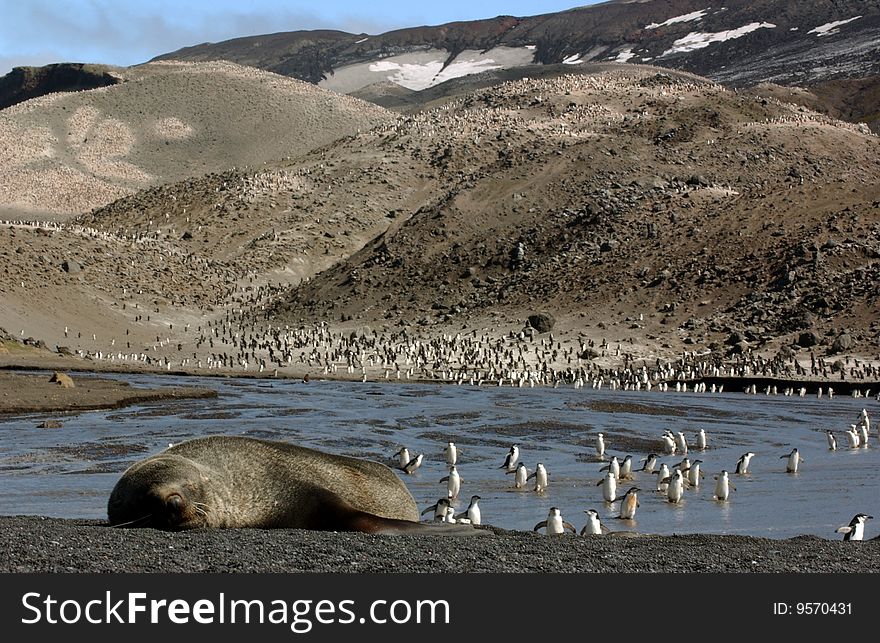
(672, 483)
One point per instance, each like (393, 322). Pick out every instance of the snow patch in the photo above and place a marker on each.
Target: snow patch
(688, 17)
(357, 42)
(698, 40)
(624, 55)
(830, 27)
(573, 60)
(531, 47)
(417, 76)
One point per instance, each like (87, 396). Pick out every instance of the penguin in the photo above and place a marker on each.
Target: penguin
(453, 483)
(613, 466)
(403, 457)
(609, 487)
(832, 441)
(863, 435)
(413, 464)
(662, 476)
(855, 530)
(540, 475)
(701, 440)
(451, 453)
(626, 469)
(668, 443)
(723, 486)
(794, 460)
(511, 459)
(864, 420)
(650, 462)
(681, 443)
(742, 465)
(521, 474)
(555, 524)
(693, 473)
(594, 526)
(440, 509)
(684, 465)
(629, 504)
(472, 513)
(600, 445)
(675, 488)
(853, 437)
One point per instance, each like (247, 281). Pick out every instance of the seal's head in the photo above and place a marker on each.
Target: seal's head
(165, 492)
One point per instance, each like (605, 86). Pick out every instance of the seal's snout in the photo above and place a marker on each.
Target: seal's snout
(174, 502)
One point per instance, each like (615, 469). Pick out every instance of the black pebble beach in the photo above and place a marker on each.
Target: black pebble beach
(38, 544)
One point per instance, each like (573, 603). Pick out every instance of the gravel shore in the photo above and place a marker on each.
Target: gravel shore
(38, 544)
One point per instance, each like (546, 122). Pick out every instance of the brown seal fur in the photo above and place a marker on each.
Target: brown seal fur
(226, 481)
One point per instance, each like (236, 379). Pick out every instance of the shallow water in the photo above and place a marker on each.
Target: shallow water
(69, 472)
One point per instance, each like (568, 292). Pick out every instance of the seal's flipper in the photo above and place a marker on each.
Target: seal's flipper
(372, 524)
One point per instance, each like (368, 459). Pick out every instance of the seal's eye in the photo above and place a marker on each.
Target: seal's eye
(174, 502)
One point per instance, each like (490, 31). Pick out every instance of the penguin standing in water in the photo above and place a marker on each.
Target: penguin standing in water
(742, 465)
(723, 486)
(511, 459)
(541, 478)
(626, 469)
(855, 530)
(832, 441)
(794, 460)
(594, 526)
(609, 487)
(668, 443)
(629, 504)
(451, 453)
(662, 477)
(403, 457)
(521, 475)
(650, 463)
(413, 464)
(555, 524)
(701, 440)
(600, 445)
(613, 467)
(681, 443)
(675, 490)
(453, 483)
(693, 473)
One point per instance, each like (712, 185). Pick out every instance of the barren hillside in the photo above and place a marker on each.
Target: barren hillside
(71, 152)
(652, 209)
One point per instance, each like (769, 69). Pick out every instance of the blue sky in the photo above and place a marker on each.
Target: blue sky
(37, 32)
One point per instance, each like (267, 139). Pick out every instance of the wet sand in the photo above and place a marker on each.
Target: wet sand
(36, 394)
(36, 544)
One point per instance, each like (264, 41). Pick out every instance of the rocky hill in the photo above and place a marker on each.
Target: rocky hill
(743, 42)
(653, 209)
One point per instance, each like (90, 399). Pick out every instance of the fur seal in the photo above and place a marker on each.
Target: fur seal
(235, 482)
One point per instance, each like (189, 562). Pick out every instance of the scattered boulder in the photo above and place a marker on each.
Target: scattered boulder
(542, 322)
(808, 339)
(49, 424)
(842, 343)
(71, 267)
(64, 380)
